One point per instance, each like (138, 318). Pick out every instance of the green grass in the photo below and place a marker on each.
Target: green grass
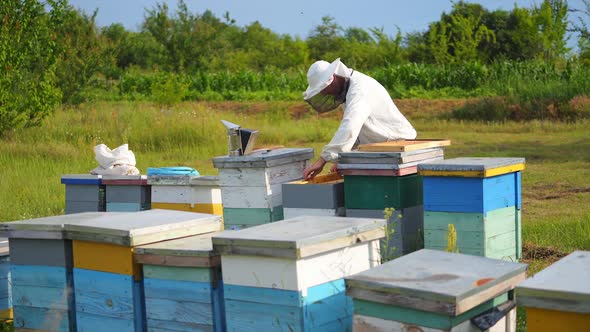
(555, 189)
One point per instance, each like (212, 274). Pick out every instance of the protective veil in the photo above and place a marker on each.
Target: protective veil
(320, 75)
(370, 116)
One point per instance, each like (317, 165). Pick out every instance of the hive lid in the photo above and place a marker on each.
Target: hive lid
(264, 158)
(563, 286)
(195, 251)
(183, 180)
(299, 237)
(81, 179)
(137, 228)
(125, 180)
(436, 281)
(472, 167)
(47, 227)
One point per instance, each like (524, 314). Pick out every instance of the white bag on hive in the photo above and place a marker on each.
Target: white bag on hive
(120, 161)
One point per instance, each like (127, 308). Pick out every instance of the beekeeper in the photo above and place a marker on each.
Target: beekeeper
(370, 116)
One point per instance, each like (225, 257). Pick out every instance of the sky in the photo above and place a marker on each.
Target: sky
(299, 17)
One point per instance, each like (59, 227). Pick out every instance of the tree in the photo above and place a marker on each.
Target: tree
(552, 20)
(581, 28)
(325, 39)
(29, 56)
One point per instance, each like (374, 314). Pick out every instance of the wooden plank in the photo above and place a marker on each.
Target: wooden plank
(83, 193)
(198, 208)
(88, 322)
(469, 194)
(201, 275)
(128, 194)
(191, 246)
(416, 281)
(324, 178)
(298, 233)
(404, 145)
(205, 181)
(545, 320)
(124, 180)
(264, 158)
(423, 319)
(186, 194)
(41, 252)
(377, 166)
(472, 167)
(263, 176)
(178, 290)
(298, 212)
(245, 316)
(380, 172)
(40, 297)
(154, 325)
(360, 157)
(143, 227)
(562, 286)
(181, 261)
(363, 323)
(80, 207)
(43, 319)
(378, 193)
(251, 217)
(252, 197)
(313, 196)
(179, 311)
(91, 256)
(38, 275)
(298, 275)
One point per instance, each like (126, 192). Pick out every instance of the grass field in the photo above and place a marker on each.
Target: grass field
(555, 189)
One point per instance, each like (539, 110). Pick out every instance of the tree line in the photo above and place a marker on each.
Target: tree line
(51, 52)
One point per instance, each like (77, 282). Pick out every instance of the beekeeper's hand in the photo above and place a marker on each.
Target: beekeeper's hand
(313, 170)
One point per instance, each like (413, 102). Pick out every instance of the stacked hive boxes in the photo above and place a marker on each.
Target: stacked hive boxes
(84, 193)
(431, 290)
(558, 297)
(41, 272)
(108, 283)
(288, 275)
(126, 193)
(5, 289)
(251, 185)
(375, 181)
(182, 285)
(186, 193)
(321, 196)
(481, 198)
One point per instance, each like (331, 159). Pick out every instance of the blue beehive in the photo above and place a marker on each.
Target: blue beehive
(481, 197)
(182, 284)
(126, 193)
(84, 193)
(288, 275)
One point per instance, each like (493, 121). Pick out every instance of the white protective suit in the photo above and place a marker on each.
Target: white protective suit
(369, 115)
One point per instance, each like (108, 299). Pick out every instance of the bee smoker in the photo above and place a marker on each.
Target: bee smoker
(240, 141)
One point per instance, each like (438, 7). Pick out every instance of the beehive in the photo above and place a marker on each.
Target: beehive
(84, 193)
(182, 284)
(430, 290)
(251, 185)
(41, 272)
(558, 297)
(481, 197)
(322, 196)
(5, 288)
(288, 275)
(127, 193)
(108, 282)
(186, 193)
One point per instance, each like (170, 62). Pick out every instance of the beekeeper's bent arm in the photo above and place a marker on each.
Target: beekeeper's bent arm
(356, 112)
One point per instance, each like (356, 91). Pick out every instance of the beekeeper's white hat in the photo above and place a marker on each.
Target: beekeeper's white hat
(319, 76)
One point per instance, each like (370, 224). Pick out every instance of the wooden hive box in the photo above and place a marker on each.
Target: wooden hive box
(558, 297)
(379, 192)
(84, 193)
(482, 198)
(251, 185)
(386, 163)
(127, 193)
(5, 288)
(322, 196)
(186, 193)
(288, 275)
(431, 290)
(109, 291)
(182, 284)
(41, 272)
(404, 232)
